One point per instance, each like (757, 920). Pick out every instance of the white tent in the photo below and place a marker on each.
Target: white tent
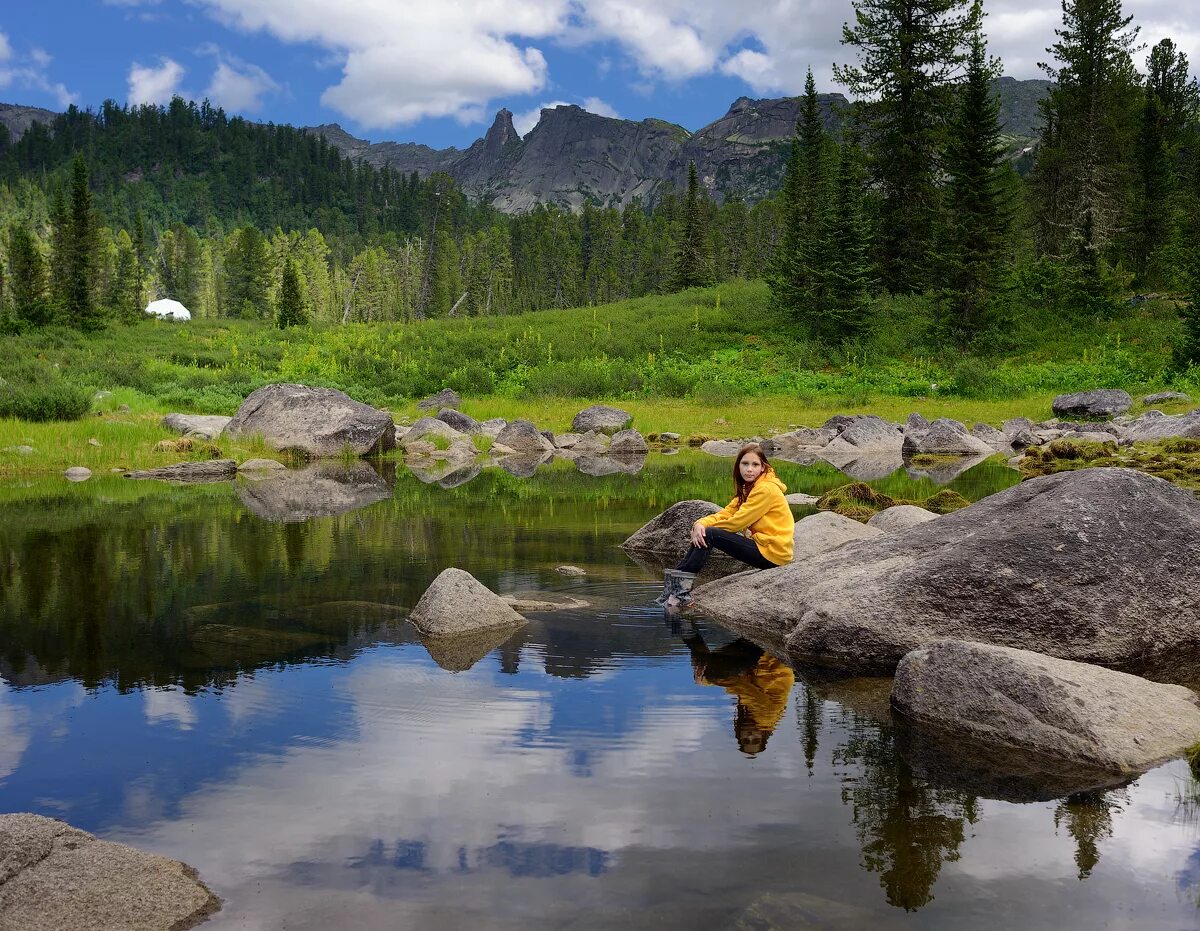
(168, 310)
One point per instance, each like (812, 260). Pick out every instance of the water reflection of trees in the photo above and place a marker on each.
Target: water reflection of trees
(907, 828)
(1088, 818)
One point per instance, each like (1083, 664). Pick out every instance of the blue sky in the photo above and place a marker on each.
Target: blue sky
(436, 71)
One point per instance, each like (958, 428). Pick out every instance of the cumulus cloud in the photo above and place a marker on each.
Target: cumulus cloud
(150, 84)
(524, 122)
(239, 86)
(30, 71)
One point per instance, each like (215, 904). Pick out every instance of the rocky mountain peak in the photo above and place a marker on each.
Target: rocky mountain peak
(501, 134)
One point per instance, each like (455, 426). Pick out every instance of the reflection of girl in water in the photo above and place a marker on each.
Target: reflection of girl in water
(756, 527)
(759, 681)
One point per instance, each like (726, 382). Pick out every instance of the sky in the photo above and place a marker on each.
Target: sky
(436, 71)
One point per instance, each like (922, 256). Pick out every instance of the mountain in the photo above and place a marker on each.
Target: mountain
(572, 156)
(16, 118)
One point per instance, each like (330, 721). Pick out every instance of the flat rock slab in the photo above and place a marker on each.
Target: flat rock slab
(456, 603)
(1073, 712)
(824, 531)
(205, 426)
(1096, 566)
(535, 602)
(54, 877)
(211, 470)
(900, 517)
(318, 422)
(1156, 426)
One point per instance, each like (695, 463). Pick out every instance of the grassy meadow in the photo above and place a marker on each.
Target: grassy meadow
(707, 362)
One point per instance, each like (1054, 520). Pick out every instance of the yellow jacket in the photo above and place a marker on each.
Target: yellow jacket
(763, 691)
(767, 515)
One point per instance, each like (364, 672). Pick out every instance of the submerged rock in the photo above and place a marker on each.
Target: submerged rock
(78, 474)
(1096, 566)
(318, 422)
(456, 603)
(322, 489)
(54, 877)
(212, 470)
(1069, 711)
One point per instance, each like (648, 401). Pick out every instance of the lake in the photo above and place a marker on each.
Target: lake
(223, 674)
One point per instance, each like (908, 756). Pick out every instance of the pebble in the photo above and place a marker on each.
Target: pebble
(570, 570)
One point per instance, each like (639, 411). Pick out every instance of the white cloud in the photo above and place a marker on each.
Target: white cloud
(148, 84)
(239, 87)
(167, 706)
(30, 72)
(524, 122)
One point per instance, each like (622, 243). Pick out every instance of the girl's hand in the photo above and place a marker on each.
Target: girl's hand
(697, 537)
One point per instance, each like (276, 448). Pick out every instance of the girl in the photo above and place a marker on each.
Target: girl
(757, 507)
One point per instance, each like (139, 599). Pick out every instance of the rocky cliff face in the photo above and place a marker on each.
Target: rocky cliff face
(573, 156)
(17, 118)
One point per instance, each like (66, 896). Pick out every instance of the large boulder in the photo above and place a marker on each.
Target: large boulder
(667, 534)
(803, 437)
(456, 603)
(625, 442)
(721, 447)
(426, 429)
(997, 440)
(201, 426)
(318, 422)
(900, 517)
(492, 427)
(322, 489)
(1153, 425)
(944, 438)
(591, 443)
(1096, 565)
(523, 438)
(866, 434)
(1103, 402)
(54, 877)
(1076, 712)
(602, 419)
(824, 531)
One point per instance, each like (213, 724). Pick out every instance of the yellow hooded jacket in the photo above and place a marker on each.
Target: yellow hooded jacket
(766, 514)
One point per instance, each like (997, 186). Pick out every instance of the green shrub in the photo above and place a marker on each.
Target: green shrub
(44, 402)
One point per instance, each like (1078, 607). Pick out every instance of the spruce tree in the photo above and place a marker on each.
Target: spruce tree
(850, 275)
(27, 279)
(909, 53)
(693, 264)
(248, 274)
(975, 240)
(290, 309)
(122, 298)
(75, 256)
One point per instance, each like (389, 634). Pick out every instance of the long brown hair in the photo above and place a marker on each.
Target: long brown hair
(744, 488)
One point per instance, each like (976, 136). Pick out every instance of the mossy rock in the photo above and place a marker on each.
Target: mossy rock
(945, 501)
(857, 499)
(929, 459)
(699, 439)
(1183, 445)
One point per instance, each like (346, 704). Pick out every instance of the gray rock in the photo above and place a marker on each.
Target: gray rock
(567, 440)
(945, 438)
(1069, 711)
(1016, 425)
(21, 450)
(1091, 436)
(627, 441)
(211, 470)
(95, 443)
(492, 427)
(523, 438)
(1094, 565)
(1154, 425)
(824, 531)
(1023, 439)
(458, 420)
(78, 474)
(425, 429)
(804, 437)
(667, 534)
(995, 439)
(460, 452)
(721, 447)
(54, 877)
(669, 437)
(261, 465)
(444, 398)
(590, 443)
(460, 652)
(456, 603)
(1102, 402)
(523, 465)
(916, 424)
(201, 426)
(799, 499)
(617, 463)
(541, 602)
(867, 434)
(900, 517)
(322, 489)
(570, 570)
(317, 422)
(838, 423)
(1163, 396)
(602, 419)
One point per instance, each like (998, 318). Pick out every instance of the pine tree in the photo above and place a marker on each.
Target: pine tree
(975, 237)
(1082, 171)
(849, 277)
(248, 274)
(76, 257)
(290, 308)
(122, 298)
(909, 52)
(139, 254)
(27, 279)
(693, 263)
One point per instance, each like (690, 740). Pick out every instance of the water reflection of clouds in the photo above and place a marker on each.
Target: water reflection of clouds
(14, 731)
(44, 716)
(169, 706)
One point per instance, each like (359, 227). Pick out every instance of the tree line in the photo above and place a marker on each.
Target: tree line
(912, 196)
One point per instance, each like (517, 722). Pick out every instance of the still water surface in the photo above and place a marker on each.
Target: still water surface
(223, 674)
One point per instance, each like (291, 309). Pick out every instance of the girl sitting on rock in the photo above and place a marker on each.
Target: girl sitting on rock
(758, 508)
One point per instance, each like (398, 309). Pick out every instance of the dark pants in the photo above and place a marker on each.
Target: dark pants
(737, 546)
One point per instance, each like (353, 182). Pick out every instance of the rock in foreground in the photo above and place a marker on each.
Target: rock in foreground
(54, 877)
(1072, 712)
(667, 534)
(318, 422)
(456, 603)
(1096, 566)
